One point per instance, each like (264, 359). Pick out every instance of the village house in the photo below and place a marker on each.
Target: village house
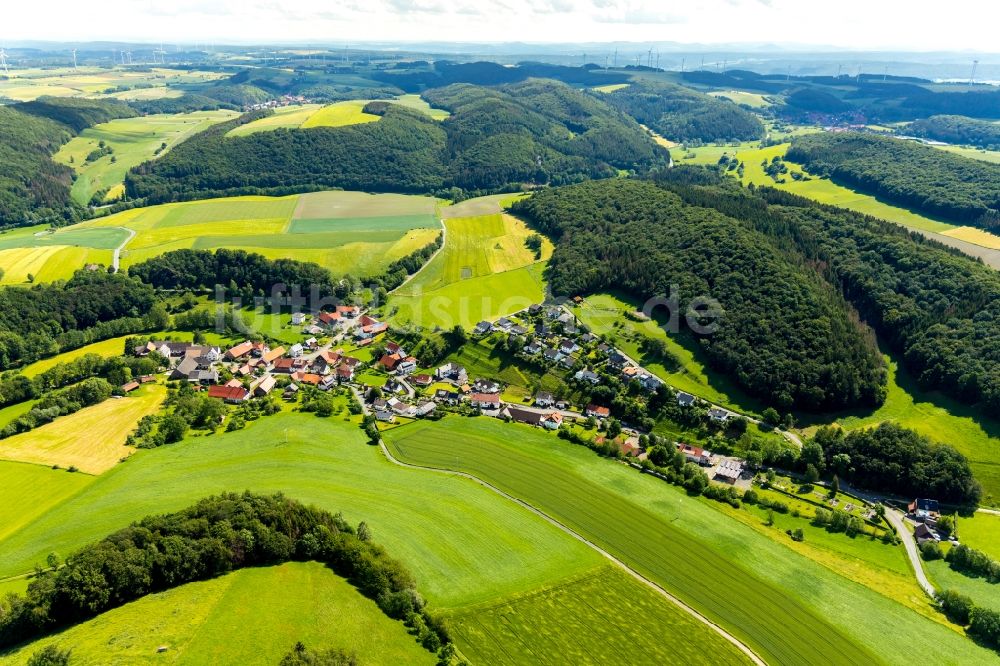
(422, 380)
(394, 348)
(407, 365)
(389, 361)
(290, 392)
(329, 319)
(289, 365)
(425, 408)
(452, 372)
(629, 446)
(587, 338)
(718, 415)
(924, 534)
(239, 351)
(532, 348)
(695, 454)
(486, 386)
(482, 328)
(327, 382)
(349, 311)
(685, 399)
(295, 350)
(588, 376)
(925, 510)
(552, 420)
(616, 359)
(345, 372)
(597, 411)
(310, 343)
(385, 416)
(552, 355)
(534, 309)
(264, 386)
(307, 378)
(517, 330)
(487, 401)
(544, 399)
(298, 318)
(447, 397)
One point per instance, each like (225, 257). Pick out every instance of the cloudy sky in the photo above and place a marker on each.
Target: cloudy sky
(867, 24)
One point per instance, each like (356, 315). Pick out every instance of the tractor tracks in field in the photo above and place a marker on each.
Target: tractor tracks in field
(742, 647)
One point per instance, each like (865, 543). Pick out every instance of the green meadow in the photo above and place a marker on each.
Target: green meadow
(252, 616)
(470, 550)
(484, 271)
(347, 232)
(133, 140)
(45, 255)
(24, 85)
(788, 607)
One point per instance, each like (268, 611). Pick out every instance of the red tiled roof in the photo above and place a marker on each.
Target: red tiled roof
(131, 386)
(329, 317)
(275, 353)
(227, 392)
(488, 398)
(239, 350)
(597, 409)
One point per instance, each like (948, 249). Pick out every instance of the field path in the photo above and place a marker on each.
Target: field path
(541, 514)
(118, 250)
(444, 239)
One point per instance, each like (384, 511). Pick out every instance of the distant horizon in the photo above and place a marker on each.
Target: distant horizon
(910, 26)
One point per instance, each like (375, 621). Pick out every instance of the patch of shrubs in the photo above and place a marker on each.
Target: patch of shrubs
(973, 562)
(983, 623)
(60, 403)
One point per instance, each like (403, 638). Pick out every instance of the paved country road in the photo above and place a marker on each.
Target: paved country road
(538, 512)
(896, 519)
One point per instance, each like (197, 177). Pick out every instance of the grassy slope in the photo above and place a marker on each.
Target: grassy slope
(55, 256)
(483, 272)
(746, 583)
(494, 633)
(471, 550)
(465, 546)
(28, 491)
(253, 616)
(105, 348)
(91, 439)
(134, 140)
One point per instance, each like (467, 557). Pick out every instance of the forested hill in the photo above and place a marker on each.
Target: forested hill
(33, 188)
(539, 132)
(683, 114)
(922, 178)
(937, 308)
(958, 129)
(786, 336)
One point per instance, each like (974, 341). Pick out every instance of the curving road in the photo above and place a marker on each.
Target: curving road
(895, 518)
(742, 647)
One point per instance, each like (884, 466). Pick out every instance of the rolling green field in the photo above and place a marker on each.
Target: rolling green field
(105, 348)
(484, 271)
(347, 232)
(28, 491)
(471, 550)
(252, 616)
(788, 607)
(48, 255)
(493, 634)
(91, 439)
(134, 140)
(755, 100)
(339, 114)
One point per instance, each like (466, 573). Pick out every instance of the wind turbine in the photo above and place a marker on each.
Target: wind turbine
(3, 61)
(74, 58)
(682, 65)
(972, 78)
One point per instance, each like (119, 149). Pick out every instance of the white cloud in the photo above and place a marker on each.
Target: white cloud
(867, 24)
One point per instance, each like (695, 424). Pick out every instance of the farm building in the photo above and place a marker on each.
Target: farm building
(264, 386)
(924, 534)
(129, 387)
(729, 470)
(519, 415)
(228, 393)
(695, 454)
(329, 319)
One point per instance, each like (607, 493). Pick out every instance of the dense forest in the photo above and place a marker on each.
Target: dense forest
(215, 536)
(785, 335)
(958, 129)
(495, 140)
(937, 308)
(33, 188)
(683, 114)
(896, 460)
(414, 77)
(41, 320)
(924, 179)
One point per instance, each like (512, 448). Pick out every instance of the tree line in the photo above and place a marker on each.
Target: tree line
(784, 335)
(918, 177)
(958, 129)
(215, 536)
